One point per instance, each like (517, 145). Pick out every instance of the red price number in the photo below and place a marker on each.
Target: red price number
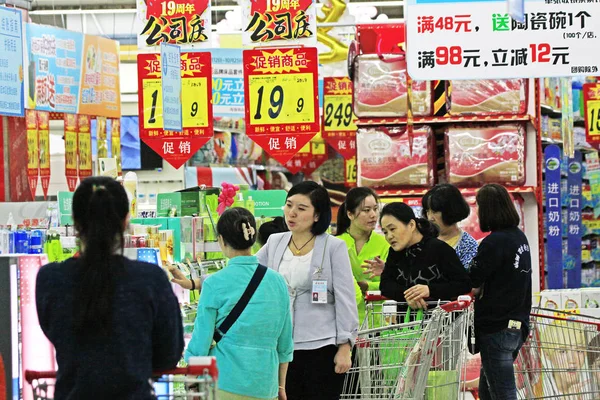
(540, 52)
(449, 55)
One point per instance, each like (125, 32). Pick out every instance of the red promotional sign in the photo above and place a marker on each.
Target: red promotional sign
(17, 153)
(339, 129)
(84, 145)
(176, 22)
(591, 98)
(33, 152)
(281, 97)
(308, 159)
(197, 113)
(71, 150)
(271, 20)
(43, 119)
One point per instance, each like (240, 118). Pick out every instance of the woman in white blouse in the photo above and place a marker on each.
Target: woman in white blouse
(317, 270)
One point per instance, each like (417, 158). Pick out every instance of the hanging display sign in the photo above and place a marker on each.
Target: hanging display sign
(574, 232)
(593, 172)
(11, 62)
(350, 172)
(100, 85)
(228, 83)
(115, 142)
(71, 150)
(553, 220)
(43, 119)
(308, 159)
(197, 115)
(84, 145)
(591, 104)
(275, 22)
(281, 99)
(170, 74)
(183, 22)
(33, 151)
(339, 129)
(17, 161)
(453, 39)
(101, 137)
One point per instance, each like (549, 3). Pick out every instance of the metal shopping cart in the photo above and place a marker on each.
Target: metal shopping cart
(409, 355)
(561, 358)
(197, 381)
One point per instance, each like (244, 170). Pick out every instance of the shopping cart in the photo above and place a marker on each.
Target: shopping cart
(409, 355)
(197, 381)
(561, 358)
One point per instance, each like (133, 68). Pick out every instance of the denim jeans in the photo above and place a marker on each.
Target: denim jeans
(498, 353)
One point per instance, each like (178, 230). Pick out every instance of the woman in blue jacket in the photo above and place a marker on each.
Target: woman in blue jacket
(253, 355)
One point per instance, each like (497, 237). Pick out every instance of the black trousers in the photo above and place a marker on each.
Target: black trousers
(311, 375)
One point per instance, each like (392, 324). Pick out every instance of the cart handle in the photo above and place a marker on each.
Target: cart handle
(198, 366)
(461, 303)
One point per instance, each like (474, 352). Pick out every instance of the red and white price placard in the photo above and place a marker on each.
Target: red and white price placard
(339, 129)
(196, 103)
(308, 159)
(281, 97)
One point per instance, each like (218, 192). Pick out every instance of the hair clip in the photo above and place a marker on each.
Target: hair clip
(98, 187)
(248, 231)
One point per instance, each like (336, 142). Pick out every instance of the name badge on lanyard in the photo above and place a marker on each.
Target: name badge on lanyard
(319, 291)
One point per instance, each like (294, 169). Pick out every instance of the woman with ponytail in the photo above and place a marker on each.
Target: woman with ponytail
(111, 320)
(419, 267)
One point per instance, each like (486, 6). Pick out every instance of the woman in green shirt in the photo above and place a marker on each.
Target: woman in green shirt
(357, 219)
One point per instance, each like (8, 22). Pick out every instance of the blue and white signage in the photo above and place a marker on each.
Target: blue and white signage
(228, 83)
(574, 231)
(170, 59)
(553, 220)
(11, 62)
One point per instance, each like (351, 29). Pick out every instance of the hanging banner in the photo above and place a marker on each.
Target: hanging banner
(43, 119)
(574, 231)
(196, 89)
(350, 172)
(11, 62)
(115, 143)
(101, 137)
(591, 104)
(183, 22)
(170, 76)
(84, 143)
(593, 172)
(454, 39)
(71, 150)
(308, 159)
(100, 85)
(17, 160)
(553, 220)
(228, 83)
(33, 151)
(54, 68)
(339, 129)
(281, 98)
(277, 22)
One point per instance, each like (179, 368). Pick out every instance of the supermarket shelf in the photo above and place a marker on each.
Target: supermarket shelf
(584, 149)
(444, 120)
(465, 191)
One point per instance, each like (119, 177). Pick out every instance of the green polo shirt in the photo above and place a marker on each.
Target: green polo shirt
(376, 246)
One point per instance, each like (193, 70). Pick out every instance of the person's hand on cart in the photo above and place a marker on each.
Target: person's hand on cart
(374, 266)
(343, 358)
(415, 296)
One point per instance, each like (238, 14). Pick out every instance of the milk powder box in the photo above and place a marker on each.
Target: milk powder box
(590, 298)
(571, 299)
(551, 299)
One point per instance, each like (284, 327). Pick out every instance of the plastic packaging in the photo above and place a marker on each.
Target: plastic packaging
(380, 89)
(385, 160)
(476, 155)
(36, 242)
(21, 242)
(487, 97)
(130, 183)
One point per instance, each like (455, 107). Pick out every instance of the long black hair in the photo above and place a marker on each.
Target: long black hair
(231, 227)
(354, 199)
(403, 213)
(495, 208)
(100, 208)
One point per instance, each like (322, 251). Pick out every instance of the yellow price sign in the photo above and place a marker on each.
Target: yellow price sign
(70, 150)
(33, 150)
(593, 117)
(153, 105)
(281, 99)
(338, 115)
(85, 151)
(350, 172)
(318, 148)
(194, 102)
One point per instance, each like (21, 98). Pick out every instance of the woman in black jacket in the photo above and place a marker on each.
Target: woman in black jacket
(419, 267)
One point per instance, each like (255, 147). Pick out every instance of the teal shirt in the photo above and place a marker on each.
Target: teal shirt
(248, 356)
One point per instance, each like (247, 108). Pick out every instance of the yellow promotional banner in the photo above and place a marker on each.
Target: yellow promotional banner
(350, 172)
(43, 119)
(100, 87)
(101, 137)
(71, 150)
(115, 142)
(33, 158)
(84, 142)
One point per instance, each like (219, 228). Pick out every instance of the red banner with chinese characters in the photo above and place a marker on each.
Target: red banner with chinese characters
(33, 151)
(101, 137)
(84, 143)
(339, 129)
(276, 20)
(115, 142)
(176, 22)
(308, 159)
(17, 162)
(43, 119)
(197, 113)
(591, 98)
(71, 150)
(281, 97)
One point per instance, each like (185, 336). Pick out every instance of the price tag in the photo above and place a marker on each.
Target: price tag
(350, 172)
(337, 105)
(84, 143)
(591, 97)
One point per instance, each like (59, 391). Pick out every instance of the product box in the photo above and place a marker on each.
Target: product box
(476, 155)
(183, 204)
(384, 158)
(487, 97)
(551, 299)
(590, 298)
(571, 299)
(380, 88)
(185, 238)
